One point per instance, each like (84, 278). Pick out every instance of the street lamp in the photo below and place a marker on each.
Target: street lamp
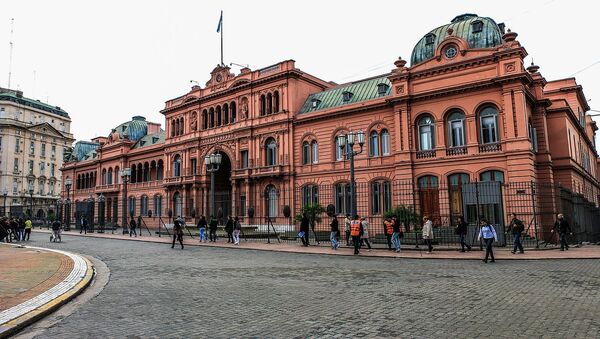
(90, 213)
(5, 194)
(212, 162)
(349, 154)
(68, 183)
(31, 203)
(125, 174)
(59, 207)
(101, 211)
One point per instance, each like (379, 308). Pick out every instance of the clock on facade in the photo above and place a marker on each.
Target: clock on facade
(450, 51)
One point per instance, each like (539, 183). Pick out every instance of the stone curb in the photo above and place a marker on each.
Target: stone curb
(325, 250)
(18, 317)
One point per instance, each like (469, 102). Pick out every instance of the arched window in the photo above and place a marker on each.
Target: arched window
(315, 152)
(385, 142)
(144, 205)
(159, 170)
(172, 128)
(381, 197)
(117, 179)
(374, 144)
(488, 120)
(342, 198)
(262, 105)
(181, 125)
(428, 181)
(176, 127)
(269, 103)
(310, 195)
(104, 178)
(204, 119)
(158, 205)
(109, 177)
(232, 107)
(426, 133)
(177, 166)
(492, 176)
(276, 101)
(456, 129)
(226, 114)
(146, 172)
(458, 179)
(211, 117)
(305, 153)
(271, 148)
(339, 151)
(219, 118)
(131, 206)
(271, 195)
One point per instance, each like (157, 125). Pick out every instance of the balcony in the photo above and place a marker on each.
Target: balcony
(426, 154)
(107, 188)
(452, 151)
(268, 171)
(145, 184)
(491, 147)
(184, 179)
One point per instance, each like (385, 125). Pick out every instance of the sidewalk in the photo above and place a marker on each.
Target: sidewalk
(584, 252)
(37, 281)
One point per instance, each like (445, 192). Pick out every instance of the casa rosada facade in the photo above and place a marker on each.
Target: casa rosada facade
(466, 110)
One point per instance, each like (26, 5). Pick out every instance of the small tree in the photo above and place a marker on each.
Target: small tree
(405, 214)
(313, 213)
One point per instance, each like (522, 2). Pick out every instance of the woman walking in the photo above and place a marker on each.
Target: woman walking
(202, 228)
(178, 232)
(237, 228)
(335, 233)
(488, 233)
(132, 226)
(428, 233)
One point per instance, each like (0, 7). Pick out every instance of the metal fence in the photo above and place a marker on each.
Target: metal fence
(272, 214)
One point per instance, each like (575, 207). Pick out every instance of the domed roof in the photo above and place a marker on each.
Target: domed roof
(478, 32)
(134, 129)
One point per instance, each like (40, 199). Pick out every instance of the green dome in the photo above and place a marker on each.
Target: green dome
(477, 31)
(134, 129)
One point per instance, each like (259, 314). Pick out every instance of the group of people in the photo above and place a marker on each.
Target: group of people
(233, 227)
(17, 229)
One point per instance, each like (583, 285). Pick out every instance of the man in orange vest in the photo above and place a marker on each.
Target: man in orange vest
(356, 231)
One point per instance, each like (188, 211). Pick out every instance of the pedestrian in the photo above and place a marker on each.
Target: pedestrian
(364, 239)
(229, 229)
(21, 230)
(212, 228)
(304, 230)
(396, 234)
(356, 231)
(132, 228)
(84, 225)
(388, 229)
(347, 229)
(178, 232)
(428, 233)
(488, 233)
(28, 227)
(461, 230)
(334, 236)
(14, 229)
(202, 228)
(55, 231)
(516, 227)
(237, 229)
(562, 227)
(4, 227)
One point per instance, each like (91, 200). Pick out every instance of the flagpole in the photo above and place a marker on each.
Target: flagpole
(222, 64)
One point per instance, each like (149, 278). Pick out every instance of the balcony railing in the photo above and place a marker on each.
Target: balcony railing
(426, 154)
(456, 150)
(492, 147)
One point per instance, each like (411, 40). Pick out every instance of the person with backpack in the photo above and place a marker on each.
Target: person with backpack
(229, 229)
(212, 227)
(55, 231)
(562, 227)
(132, 226)
(516, 227)
(178, 232)
(488, 233)
(461, 230)
(388, 228)
(334, 236)
(28, 227)
(202, 228)
(237, 229)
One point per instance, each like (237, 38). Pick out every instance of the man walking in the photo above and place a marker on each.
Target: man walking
(212, 227)
(132, 228)
(202, 228)
(562, 227)
(428, 233)
(28, 226)
(84, 225)
(335, 232)
(388, 228)
(461, 230)
(396, 234)
(229, 229)
(347, 229)
(304, 230)
(356, 232)
(178, 232)
(516, 227)
(488, 233)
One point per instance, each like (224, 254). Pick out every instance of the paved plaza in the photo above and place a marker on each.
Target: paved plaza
(156, 291)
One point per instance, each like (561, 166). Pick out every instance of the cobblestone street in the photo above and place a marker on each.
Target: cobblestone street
(156, 291)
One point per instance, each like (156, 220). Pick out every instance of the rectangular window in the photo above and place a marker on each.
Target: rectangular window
(15, 186)
(457, 133)
(30, 166)
(488, 130)
(18, 145)
(426, 137)
(53, 154)
(242, 205)
(32, 147)
(42, 168)
(52, 168)
(43, 150)
(315, 152)
(385, 143)
(387, 196)
(194, 166)
(305, 153)
(376, 198)
(244, 156)
(16, 167)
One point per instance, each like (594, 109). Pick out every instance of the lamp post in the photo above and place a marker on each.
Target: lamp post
(90, 213)
(212, 162)
(68, 183)
(59, 207)
(5, 194)
(125, 174)
(31, 203)
(101, 211)
(349, 154)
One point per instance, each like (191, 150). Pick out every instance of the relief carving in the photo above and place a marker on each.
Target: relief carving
(399, 89)
(194, 121)
(510, 67)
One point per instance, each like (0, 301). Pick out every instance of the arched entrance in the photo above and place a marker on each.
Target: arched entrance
(223, 187)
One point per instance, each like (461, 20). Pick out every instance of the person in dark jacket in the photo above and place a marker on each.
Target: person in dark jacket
(202, 228)
(212, 228)
(132, 228)
(562, 227)
(55, 231)
(516, 227)
(21, 230)
(304, 227)
(461, 231)
(178, 232)
(229, 229)
(84, 225)
(14, 228)
(334, 236)
(3, 229)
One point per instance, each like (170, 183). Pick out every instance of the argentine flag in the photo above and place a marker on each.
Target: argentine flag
(220, 23)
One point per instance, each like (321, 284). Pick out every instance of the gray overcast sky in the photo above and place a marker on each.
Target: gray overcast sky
(106, 61)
